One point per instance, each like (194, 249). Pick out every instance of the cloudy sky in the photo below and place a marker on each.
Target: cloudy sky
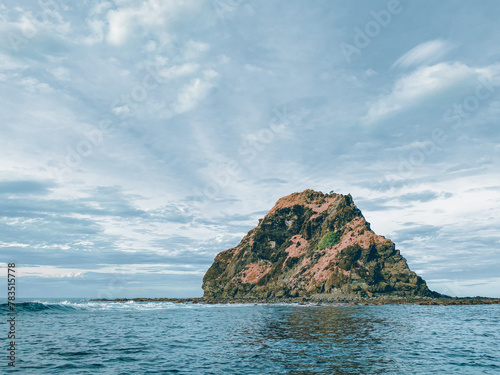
(140, 138)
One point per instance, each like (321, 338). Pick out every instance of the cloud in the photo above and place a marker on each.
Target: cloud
(104, 201)
(162, 269)
(34, 214)
(271, 181)
(151, 16)
(129, 269)
(33, 23)
(178, 71)
(194, 92)
(426, 83)
(61, 73)
(9, 63)
(25, 187)
(459, 287)
(424, 54)
(423, 196)
(420, 231)
(43, 271)
(33, 85)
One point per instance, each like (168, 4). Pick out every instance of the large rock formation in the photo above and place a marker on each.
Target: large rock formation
(312, 243)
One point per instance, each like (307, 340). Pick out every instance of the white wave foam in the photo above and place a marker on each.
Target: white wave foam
(145, 306)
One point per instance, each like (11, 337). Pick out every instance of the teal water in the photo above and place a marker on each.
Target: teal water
(81, 337)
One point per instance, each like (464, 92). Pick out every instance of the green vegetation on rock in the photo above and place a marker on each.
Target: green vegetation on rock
(330, 239)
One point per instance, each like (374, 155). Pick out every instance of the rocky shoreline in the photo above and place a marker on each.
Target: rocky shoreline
(321, 300)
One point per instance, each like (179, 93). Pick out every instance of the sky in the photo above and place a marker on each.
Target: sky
(140, 138)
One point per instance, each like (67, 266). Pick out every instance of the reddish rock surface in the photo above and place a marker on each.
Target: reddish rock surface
(280, 258)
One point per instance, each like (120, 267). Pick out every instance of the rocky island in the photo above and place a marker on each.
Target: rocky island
(312, 244)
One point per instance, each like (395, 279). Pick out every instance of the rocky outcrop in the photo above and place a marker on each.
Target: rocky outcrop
(312, 244)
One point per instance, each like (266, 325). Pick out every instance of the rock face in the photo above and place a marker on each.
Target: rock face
(312, 243)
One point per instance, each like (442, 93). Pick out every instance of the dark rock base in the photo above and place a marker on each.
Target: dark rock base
(324, 300)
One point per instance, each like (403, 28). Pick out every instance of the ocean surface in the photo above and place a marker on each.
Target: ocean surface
(75, 336)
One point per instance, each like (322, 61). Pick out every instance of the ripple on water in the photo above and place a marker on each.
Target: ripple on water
(72, 337)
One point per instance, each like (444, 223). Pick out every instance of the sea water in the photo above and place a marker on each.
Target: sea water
(80, 337)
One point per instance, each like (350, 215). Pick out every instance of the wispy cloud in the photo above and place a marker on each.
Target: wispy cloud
(194, 91)
(43, 271)
(426, 83)
(424, 54)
